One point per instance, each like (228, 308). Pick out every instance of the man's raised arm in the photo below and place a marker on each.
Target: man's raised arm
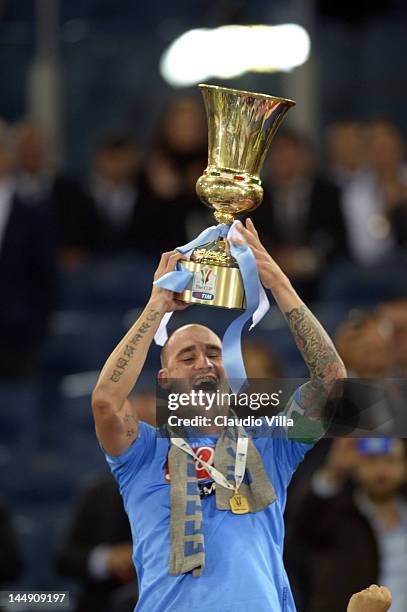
(316, 347)
(116, 420)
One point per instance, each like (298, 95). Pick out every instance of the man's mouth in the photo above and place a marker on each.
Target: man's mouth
(205, 383)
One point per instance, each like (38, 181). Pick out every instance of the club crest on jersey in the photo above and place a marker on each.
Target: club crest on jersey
(206, 453)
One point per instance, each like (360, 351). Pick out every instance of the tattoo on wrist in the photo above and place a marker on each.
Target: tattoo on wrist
(130, 348)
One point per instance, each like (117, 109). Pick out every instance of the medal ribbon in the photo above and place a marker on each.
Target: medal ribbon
(218, 477)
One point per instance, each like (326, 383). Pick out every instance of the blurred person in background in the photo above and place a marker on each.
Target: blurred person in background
(394, 317)
(395, 312)
(260, 361)
(41, 183)
(116, 217)
(365, 344)
(374, 202)
(33, 163)
(11, 563)
(27, 273)
(167, 198)
(372, 599)
(360, 535)
(97, 548)
(345, 150)
(300, 220)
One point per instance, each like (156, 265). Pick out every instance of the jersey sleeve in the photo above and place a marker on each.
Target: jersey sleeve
(303, 429)
(126, 466)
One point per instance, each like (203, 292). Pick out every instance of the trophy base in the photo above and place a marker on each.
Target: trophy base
(213, 286)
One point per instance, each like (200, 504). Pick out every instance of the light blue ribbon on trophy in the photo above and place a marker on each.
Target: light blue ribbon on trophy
(257, 303)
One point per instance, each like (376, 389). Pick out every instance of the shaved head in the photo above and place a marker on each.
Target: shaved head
(190, 332)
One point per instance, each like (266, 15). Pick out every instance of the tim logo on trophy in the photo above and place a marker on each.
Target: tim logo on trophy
(203, 284)
(241, 126)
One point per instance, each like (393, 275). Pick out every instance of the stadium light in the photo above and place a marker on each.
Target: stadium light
(230, 51)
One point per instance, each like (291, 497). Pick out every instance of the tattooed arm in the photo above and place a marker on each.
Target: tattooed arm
(115, 417)
(316, 347)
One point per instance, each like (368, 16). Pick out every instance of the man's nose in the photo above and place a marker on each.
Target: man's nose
(204, 362)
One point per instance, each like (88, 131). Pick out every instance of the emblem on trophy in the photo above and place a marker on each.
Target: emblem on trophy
(241, 126)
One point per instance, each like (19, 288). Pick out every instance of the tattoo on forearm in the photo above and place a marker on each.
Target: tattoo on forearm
(321, 357)
(314, 344)
(130, 348)
(152, 315)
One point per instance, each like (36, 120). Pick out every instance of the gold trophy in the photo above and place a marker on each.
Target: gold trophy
(241, 126)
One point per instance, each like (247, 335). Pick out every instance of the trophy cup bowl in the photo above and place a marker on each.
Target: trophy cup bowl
(241, 126)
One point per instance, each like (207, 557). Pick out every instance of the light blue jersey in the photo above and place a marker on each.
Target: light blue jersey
(244, 568)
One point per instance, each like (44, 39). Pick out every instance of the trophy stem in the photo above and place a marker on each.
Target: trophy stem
(223, 217)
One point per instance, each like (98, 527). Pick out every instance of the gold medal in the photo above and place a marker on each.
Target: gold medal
(239, 503)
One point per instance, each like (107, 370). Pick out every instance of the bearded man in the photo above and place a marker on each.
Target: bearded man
(192, 548)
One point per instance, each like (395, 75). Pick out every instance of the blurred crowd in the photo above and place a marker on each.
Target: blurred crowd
(336, 222)
(334, 219)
